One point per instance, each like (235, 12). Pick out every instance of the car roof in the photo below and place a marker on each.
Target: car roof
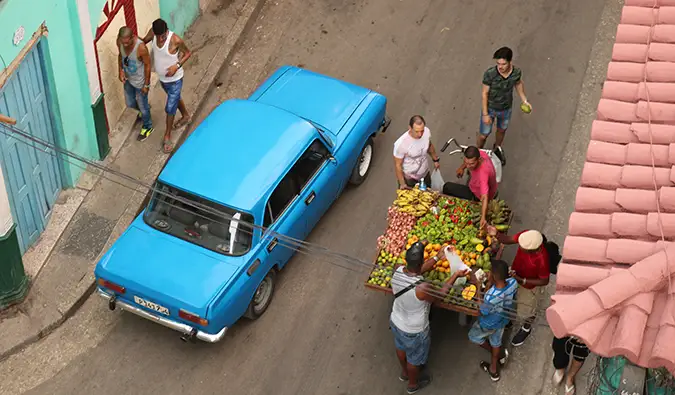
(238, 153)
(324, 100)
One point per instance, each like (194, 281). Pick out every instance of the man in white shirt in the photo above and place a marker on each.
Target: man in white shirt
(410, 154)
(409, 320)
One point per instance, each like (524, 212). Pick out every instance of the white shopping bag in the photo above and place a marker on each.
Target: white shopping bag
(454, 260)
(437, 181)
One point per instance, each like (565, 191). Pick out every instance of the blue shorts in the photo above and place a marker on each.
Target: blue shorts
(415, 345)
(478, 335)
(500, 118)
(172, 90)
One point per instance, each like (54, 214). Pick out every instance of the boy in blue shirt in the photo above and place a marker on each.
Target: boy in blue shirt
(488, 330)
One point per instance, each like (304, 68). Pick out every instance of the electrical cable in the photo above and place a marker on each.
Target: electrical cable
(285, 241)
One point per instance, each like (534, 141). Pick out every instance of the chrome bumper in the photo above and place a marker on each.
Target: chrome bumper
(177, 326)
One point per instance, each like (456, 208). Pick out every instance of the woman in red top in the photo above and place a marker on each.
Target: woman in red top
(531, 269)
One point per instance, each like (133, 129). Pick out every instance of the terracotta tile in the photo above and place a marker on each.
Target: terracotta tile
(572, 276)
(663, 352)
(590, 225)
(590, 331)
(596, 200)
(647, 346)
(667, 224)
(659, 71)
(565, 314)
(659, 306)
(650, 3)
(629, 332)
(626, 71)
(631, 34)
(622, 91)
(666, 15)
(667, 199)
(636, 200)
(663, 92)
(644, 301)
(639, 16)
(648, 154)
(628, 251)
(651, 271)
(614, 110)
(642, 177)
(604, 344)
(630, 225)
(615, 132)
(585, 249)
(607, 153)
(660, 52)
(660, 134)
(615, 289)
(660, 112)
(635, 53)
(602, 176)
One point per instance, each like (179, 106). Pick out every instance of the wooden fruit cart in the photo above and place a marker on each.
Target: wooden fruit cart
(439, 303)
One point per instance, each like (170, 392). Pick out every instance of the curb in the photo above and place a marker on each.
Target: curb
(219, 63)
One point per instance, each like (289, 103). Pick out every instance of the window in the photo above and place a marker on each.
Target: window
(296, 179)
(199, 221)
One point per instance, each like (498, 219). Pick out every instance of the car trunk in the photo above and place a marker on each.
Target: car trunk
(166, 271)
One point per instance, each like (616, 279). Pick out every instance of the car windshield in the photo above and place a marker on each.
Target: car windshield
(199, 221)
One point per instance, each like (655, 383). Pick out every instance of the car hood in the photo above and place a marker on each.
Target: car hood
(167, 270)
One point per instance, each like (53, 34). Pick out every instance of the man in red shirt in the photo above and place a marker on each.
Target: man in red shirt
(531, 269)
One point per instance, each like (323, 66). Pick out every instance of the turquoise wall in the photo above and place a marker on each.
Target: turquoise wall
(179, 14)
(65, 69)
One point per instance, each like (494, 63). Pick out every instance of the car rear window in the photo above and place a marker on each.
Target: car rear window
(200, 221)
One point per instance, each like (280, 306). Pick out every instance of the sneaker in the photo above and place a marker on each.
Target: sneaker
(521, 336)
(145, 133)
(499, 151)
(502, 361)
(421, 383)
(486, 367)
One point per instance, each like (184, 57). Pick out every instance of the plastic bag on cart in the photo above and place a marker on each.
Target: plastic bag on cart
(437, 181)
(454, 260)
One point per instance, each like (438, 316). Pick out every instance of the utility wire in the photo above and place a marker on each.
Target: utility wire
(297, 245)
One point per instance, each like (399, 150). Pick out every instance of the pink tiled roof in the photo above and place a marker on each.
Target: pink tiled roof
(614, 283)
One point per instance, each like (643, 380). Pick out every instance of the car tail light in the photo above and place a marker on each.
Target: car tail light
(111, 286)
(186, 315)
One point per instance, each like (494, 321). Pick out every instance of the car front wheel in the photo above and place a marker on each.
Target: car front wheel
(262, 296)
(362, 167)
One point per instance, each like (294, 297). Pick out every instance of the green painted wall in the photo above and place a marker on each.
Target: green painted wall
(65, 68)
(95, 14)
(179, 14)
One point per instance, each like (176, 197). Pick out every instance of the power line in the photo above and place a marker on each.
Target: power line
(297, 245)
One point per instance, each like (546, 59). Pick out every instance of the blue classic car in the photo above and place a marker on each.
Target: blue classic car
(255, 175)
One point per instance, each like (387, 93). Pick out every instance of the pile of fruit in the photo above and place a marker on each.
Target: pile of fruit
(439, 221)
(413, 201)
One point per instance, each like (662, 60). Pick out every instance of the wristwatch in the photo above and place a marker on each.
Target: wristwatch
(179, 65)
(437, 160)
(147, 86)
(524, 281)
(435, 258)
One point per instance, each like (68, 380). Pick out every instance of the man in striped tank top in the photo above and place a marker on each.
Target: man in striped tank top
(169, 54)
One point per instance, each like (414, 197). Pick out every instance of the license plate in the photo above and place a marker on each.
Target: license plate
(151, 306)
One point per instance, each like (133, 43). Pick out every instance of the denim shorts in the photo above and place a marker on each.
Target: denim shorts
(415, 345)
(477, 335)
(500, 118)
(173, 90)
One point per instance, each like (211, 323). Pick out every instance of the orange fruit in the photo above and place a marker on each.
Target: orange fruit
(446, 264)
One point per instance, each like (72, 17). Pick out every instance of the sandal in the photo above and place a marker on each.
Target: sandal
(570, 390)
(168, 147)
(486, 367)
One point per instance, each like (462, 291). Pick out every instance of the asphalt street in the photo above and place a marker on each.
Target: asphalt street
(324, 332)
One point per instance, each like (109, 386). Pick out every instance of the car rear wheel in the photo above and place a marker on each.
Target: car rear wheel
(362, 167)
(262, 296)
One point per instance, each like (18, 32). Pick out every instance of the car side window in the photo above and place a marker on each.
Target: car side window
(282, 196)
(310, 161)
(296, 179)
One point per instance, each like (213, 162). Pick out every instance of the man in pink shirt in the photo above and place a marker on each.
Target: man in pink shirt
(483, 183)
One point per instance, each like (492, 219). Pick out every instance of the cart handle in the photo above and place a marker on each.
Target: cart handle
(460, 148)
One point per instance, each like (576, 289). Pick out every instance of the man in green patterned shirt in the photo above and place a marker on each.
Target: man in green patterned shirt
(498, 84)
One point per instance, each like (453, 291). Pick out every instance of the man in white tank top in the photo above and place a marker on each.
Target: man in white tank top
(409, 320)
(169, 54)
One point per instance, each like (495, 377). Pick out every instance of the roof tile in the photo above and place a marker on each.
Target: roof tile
(613, 284)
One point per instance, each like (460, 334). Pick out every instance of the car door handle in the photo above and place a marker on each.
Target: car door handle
(310, 198)
(273, 244)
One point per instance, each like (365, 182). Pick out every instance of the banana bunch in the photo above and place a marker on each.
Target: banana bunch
(498, 214)
(414, 201)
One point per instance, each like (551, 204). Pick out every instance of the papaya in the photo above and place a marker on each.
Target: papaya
(469, 292)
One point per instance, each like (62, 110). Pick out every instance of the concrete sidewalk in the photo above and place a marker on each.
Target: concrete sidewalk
(90, 217)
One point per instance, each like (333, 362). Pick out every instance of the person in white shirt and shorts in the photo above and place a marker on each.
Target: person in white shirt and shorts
(410, 154)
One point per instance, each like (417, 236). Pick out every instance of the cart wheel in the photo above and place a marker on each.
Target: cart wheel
(262, 296)
(362, 167)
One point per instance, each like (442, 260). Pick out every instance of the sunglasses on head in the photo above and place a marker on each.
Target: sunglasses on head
(126, 61)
